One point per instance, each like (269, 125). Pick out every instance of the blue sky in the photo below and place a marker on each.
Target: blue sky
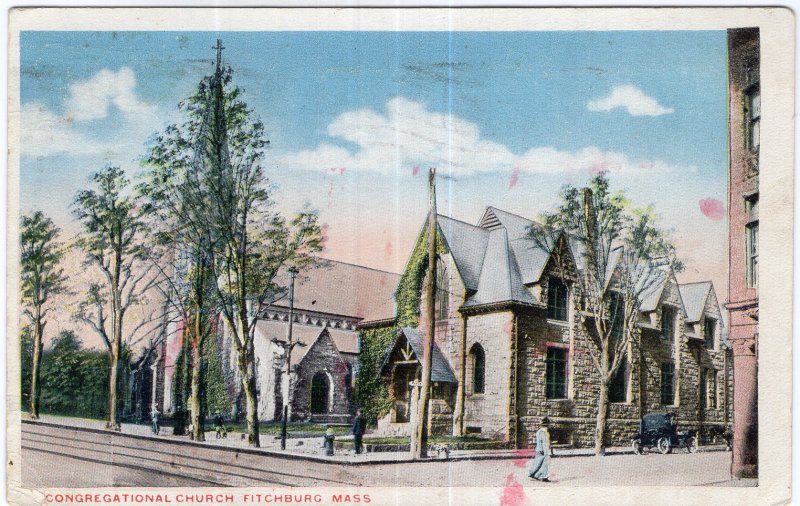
(355, 118)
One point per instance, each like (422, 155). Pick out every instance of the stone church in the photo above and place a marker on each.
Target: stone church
(510, 350)
(330, 299)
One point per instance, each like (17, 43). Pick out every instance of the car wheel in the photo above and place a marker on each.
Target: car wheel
(691, 444)
(637, 446)
(664, 446)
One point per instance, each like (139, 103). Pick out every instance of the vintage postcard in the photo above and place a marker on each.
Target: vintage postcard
(399, 256)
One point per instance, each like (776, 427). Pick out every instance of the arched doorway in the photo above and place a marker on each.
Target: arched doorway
(320, 388)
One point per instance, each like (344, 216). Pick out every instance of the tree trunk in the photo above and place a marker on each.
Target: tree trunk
(249, 388)
(113, 389)
(197, 420)
(602, 415)
(246, 364)
(36, 386)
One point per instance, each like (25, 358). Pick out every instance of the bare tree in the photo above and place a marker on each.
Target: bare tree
(620, 255)
(111, 241)
(41, 278)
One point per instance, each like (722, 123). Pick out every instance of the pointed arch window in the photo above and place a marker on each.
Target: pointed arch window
(442, 291)
(478, 362)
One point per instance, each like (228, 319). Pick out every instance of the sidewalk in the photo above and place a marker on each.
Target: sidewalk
(312, 446)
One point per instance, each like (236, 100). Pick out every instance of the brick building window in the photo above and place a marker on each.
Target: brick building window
(709, 333)
(556, 300)
(751, 240)
(703, 388)
(556, 373)
(667, 383)
(618, 386)
(667, 323)
(752, 114)
(478, 362)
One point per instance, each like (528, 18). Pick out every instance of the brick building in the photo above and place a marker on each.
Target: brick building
(510, 347)
(744, 113)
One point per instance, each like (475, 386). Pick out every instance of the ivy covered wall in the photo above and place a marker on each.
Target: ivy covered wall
(371, 394)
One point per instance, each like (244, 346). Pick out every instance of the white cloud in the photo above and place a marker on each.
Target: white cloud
(90, 99)
(409, 135)
(45, 133)
(632, 99)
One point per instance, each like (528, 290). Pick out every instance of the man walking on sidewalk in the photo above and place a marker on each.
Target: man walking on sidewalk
(358, 431)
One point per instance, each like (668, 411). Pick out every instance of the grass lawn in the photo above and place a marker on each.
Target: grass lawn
(274, 428)
(401, 440)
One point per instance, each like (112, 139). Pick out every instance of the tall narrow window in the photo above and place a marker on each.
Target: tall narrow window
(711, 389)
(753, 117)
(478, 359)
(618, 387)
(751, 240)
(667, 323)
(556, 373)
(703, 388)
(442, 291)
(556, 300)
(710, 331)
(667, 384)
(616, 307)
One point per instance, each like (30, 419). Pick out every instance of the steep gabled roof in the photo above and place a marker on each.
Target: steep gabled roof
(694, 297)
(516, 226)
(651, 295)
(467, 245)
(345, 341)
(500, 279)
(440, 370)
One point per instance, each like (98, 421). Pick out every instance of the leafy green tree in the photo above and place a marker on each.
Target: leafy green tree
(111, 239)
(41, 278)
(74, 379)
(25, 366)
(209, 171)
(608, 235)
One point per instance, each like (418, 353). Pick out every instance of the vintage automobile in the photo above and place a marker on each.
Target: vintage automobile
(659, 430)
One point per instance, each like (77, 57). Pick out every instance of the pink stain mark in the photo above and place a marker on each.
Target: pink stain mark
(341, 170)
(712, 208)
(513, 493)
(514, 179)
(387, 248)
(524, 455)
(646, 165)
(415, 171)
(599, 168)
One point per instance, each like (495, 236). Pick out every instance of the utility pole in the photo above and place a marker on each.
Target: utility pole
(288, 354)
(422, 427)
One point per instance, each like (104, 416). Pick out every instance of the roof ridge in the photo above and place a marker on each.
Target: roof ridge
(512, 214)
(462, 222)
(359, 266)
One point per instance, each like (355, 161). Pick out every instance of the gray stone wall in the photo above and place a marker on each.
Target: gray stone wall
(324, 357)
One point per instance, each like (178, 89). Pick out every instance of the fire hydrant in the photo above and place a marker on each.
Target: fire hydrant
(329, 439)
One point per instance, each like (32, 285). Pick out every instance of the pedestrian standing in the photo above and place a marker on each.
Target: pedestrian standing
(154, 420)
(328, 441)
(539, 468)
(358, 431)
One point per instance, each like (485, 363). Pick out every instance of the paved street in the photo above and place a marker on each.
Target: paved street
(66, 458)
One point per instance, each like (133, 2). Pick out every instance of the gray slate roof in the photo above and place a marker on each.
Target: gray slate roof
(694, 297)
(440, 370)
(497, 261)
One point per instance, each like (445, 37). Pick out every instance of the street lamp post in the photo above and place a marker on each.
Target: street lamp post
(289, 345)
